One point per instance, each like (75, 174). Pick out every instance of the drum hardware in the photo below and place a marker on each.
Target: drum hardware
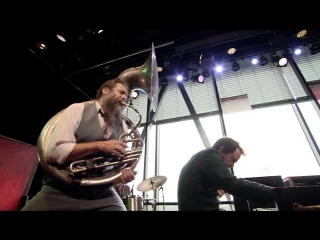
(153, 203)
(162, 197)
(133, 203)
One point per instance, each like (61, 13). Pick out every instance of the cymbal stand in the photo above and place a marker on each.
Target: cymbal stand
(148, 196)
(162, 197)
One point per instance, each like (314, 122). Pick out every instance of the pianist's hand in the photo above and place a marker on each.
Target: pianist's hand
(221, 193)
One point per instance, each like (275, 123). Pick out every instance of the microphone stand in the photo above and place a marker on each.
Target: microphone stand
(162, 197)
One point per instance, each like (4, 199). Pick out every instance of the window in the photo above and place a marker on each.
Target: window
(274, 142)
(178, 142)
(312, 119)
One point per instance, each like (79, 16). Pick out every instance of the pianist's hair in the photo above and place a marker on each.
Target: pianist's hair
(228, 144)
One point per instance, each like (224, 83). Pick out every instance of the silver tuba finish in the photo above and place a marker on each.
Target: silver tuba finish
(98, 171)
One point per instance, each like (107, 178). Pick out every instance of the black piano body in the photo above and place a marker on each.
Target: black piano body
(285, 197)
(303, 190)
(244, 205)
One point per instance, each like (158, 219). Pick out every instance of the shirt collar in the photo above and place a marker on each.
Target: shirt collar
(99, 109)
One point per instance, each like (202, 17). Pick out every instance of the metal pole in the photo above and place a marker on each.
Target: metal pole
(145, 167)
(156, 161)
(116, 59)
(302, 80)
(313, 144)
(223, 127)
(194, 116)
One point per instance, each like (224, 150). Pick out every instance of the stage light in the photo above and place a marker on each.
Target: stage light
(297, 51)
(197, 78)
(263, 60)
(134, 94)
(279, 61)
(232, 50)
(235, 66)
(314, 49)
(201, 78)
(205, 73)
(61, 38)
(301, 34)
(254, 61)
(219, 69)
(164, 82)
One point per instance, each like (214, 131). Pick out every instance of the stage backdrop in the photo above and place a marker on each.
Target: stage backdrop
(18, 163)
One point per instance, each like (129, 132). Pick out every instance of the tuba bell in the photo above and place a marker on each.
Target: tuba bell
(85, 172)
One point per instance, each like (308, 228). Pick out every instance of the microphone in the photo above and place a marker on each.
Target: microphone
(132, 189)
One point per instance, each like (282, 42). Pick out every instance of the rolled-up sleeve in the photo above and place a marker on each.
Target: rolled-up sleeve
(62, 140)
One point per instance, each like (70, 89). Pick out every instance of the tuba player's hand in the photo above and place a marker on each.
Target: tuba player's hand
(127, 175)
(113, 146)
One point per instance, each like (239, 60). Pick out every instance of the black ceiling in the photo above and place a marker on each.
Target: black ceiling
(88, 58)
(45, 82)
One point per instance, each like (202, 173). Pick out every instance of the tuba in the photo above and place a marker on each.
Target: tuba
(104, 170)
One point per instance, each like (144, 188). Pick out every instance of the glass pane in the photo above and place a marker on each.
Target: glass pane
(274, 142)
(312, 119)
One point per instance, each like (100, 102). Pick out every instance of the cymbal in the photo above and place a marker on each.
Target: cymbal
(151, 183)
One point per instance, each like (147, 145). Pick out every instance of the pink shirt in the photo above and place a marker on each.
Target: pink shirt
(62, 139)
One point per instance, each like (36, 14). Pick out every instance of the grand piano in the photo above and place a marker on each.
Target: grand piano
(302, 196)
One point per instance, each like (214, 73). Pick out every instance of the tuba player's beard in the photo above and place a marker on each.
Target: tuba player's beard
(113, 107)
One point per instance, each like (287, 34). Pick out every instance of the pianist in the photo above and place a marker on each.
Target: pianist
(208, 171)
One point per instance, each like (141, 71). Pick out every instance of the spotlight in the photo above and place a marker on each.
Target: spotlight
(61, 38)
(185, 76)
(297, 51)
(201, 78)
(301, 34)
(232, 50)
(235, 66)
(134, 94)
(194, 78)
(314, 48)
(254, 61)
(205, 73)
(263, 60)
(164, 82)
(279, 61)
(197, 78)
(219, 69)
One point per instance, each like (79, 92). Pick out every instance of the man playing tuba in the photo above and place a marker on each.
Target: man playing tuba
(86, 130)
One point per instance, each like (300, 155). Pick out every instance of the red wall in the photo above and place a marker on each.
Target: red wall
(18, 163)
